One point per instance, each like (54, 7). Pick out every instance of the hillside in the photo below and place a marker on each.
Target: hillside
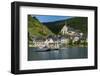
(36, 28)
(79, 23)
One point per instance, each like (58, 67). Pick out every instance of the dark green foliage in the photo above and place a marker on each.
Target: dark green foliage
(79, 23)
(56, 26)
(84, 43)
(70, 42)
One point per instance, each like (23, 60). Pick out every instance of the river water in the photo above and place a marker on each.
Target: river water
(67, 53)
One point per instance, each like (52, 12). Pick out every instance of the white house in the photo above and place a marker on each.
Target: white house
(48, 42)
(64, 40)
(75, 39)
(52, 43)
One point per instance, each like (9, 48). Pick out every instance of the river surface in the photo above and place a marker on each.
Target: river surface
(67, 53)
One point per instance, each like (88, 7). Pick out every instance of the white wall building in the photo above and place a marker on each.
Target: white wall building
(64, 30)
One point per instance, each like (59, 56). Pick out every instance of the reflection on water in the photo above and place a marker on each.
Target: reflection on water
(68, 53)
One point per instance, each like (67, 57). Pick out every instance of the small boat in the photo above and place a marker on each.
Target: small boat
(43, 49)
(54, 48)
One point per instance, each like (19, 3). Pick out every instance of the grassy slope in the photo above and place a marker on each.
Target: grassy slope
(35, 28)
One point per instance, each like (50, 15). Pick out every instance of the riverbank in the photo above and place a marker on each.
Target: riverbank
(69, 46)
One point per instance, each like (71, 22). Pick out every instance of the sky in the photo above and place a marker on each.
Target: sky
(48, 18)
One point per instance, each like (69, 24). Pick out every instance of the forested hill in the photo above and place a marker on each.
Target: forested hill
(79, 23)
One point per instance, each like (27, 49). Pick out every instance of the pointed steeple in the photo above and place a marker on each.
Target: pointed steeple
(66, 23)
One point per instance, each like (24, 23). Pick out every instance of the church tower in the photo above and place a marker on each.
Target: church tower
(64, 30)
